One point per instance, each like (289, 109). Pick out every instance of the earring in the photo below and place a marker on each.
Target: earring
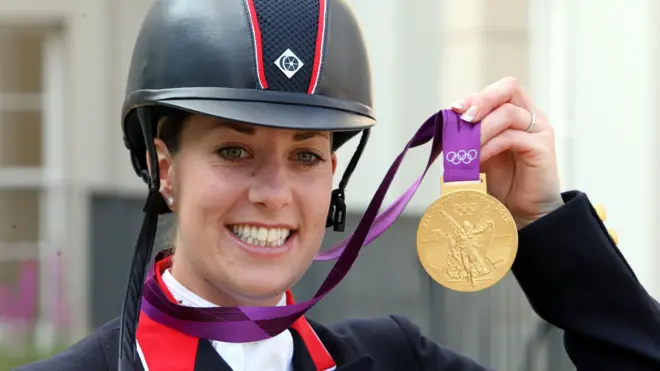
(170, 201)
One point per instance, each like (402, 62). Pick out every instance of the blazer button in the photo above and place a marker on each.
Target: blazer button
(600, 210)
(615, 238)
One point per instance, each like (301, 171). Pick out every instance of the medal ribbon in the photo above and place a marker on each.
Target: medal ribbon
(248, 324)
(461, 145)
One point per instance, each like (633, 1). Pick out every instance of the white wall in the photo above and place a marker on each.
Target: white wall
(404, 60)
(601, 62)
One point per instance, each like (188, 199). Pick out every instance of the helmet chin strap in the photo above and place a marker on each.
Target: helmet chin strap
(137, 276)
(337, 213)
(154, 206)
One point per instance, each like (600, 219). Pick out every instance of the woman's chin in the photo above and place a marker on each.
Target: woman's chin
(254, 285)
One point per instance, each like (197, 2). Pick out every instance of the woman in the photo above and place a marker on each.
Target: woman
(239, 107)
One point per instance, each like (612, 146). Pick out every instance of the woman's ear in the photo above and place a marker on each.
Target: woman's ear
(164, 170)
(333, 158)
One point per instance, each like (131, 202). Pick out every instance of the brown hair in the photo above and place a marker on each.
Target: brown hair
(169, 129)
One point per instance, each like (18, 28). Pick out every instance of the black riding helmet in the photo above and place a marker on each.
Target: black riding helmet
(293, 64)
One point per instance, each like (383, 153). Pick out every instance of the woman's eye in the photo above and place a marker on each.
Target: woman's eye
(233, 153)
(306, 157)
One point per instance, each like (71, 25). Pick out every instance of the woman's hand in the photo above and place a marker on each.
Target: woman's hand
(519, 159)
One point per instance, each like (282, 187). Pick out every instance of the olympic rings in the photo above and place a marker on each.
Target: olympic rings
(464, 209)
(463, 156)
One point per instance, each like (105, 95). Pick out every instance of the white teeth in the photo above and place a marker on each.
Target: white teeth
(261, 236)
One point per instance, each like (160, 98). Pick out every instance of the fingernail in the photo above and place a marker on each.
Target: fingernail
(457, 105)
(470, 114)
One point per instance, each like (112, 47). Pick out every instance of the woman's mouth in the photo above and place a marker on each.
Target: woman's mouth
(261, 236)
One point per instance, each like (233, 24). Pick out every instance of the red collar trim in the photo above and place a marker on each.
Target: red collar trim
(161, 266)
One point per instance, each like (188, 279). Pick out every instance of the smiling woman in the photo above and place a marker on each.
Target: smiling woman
(251, 204)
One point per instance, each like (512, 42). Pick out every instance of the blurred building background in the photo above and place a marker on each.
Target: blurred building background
(70, 204)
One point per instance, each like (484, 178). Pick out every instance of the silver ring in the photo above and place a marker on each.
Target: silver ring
(532, 123)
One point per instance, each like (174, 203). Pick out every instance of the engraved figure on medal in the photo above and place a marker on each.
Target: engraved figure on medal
(467, 258)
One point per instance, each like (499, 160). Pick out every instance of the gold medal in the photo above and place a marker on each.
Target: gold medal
(467, 240)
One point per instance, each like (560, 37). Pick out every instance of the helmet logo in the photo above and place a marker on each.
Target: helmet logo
(289, 63)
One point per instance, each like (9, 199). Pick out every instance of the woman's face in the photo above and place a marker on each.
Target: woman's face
(251, 205)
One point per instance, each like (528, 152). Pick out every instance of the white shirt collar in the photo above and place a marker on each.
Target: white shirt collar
(274, 354)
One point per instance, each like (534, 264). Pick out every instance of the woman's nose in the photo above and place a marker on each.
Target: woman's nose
(271, 186)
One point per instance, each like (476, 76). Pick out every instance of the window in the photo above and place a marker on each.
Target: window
(30, 105)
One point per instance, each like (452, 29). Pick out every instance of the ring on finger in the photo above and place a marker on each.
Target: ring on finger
(532, 122)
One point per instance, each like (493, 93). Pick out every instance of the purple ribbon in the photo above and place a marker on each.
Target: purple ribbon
(462, 149)
(247, 324)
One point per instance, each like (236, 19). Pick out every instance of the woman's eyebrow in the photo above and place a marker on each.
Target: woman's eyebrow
(309, 134)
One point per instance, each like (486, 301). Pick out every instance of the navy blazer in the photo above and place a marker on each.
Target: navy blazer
(567, 265)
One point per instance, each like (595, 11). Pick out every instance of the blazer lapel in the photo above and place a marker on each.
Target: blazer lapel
(343, 354)
(302, 360)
